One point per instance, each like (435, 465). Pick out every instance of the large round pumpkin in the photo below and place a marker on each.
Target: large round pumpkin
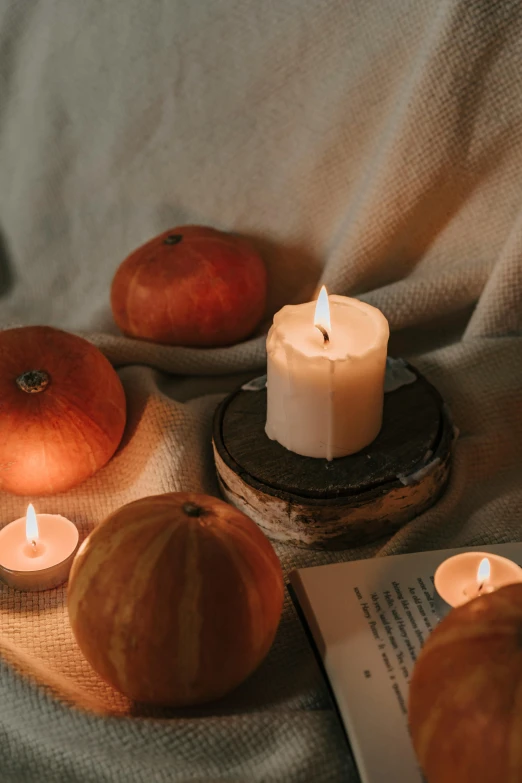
(62, 410)
(465, 704)
(191, 285)
(175, 599)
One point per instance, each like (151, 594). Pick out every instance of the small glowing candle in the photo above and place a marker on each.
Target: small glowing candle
(469, 575)
(482, 584)
(36, 552)
(326, 362)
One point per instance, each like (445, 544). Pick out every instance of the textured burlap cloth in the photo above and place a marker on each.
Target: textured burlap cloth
(375, 146)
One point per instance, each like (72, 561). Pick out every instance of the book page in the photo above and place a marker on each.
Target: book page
(369, 619)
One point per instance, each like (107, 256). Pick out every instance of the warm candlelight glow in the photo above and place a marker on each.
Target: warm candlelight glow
(325, 396)
(31, 525)
(469, 575)
(483, 572)
(322, 315)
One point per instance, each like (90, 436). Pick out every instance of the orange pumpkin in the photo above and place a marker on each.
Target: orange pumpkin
(191, 285)
(175, 599)
(464, 706)
(62, 410)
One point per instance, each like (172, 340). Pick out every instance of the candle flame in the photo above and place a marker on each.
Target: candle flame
(31, 524)
(322, 314)
(484, 571)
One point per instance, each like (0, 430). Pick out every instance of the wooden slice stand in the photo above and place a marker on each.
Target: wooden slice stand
(350, 500)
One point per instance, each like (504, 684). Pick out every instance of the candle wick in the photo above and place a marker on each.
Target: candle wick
(325, 334)
(33, 544)
(480, 587)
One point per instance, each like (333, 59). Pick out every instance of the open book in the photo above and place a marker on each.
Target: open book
(369, 619)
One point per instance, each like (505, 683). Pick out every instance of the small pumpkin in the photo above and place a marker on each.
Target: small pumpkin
(62, 410)
(465, 709)
(191, 285)
(175, 599)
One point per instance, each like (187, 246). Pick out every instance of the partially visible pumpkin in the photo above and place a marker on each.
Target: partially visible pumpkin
(465, 699)
(175, 599)
(191, 285)
(62, 410)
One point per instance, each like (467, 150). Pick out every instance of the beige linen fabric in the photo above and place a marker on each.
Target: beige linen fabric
(375, 145)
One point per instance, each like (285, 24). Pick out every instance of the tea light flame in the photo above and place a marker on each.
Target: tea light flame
(483, 572)
(322, 315)
(31, 526)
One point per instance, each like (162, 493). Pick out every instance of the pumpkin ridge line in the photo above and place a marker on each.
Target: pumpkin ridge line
(131, 285)
(273, 562)
(91, 560)
(82, 415)
(189, 619)
(257, 633)
(118, 646)
(88, 450)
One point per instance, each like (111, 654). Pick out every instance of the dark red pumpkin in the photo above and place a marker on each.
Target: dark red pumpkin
(62, 410)
(191, 285)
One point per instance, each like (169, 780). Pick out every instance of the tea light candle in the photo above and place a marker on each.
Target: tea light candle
(325, 376)
(36, 552)
(468, 575)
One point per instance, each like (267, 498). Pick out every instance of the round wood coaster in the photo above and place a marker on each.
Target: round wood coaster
(350, 500)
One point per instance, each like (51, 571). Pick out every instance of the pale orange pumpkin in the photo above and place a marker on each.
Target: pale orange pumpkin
(175, 599)
(62, 410)
(465, 707)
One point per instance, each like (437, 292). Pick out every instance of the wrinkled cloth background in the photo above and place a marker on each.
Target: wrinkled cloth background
(372, 146)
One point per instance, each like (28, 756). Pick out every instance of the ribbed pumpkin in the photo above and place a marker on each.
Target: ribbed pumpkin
(62, 410)
(465, 706)
(175, 599)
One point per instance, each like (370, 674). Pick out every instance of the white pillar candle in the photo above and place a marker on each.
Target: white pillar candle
(469, 575)
(325, 376)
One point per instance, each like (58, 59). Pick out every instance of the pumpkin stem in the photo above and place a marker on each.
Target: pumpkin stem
(33, 381)
(173, 239)
(192, 510)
